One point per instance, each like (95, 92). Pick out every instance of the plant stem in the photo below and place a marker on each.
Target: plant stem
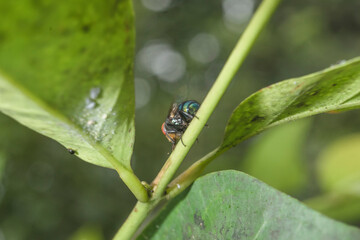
(233, 63)
(134, 220)
(134, 184)
(141, 210)
(186, 178)
(129, 178)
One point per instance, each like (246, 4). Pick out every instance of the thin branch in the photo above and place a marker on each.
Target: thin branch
(241, 50)
(141, 210)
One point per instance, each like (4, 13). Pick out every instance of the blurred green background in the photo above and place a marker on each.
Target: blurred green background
(46, 193)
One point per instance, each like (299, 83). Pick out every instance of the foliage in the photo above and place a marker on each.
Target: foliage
(335, 88)
(79, 103)
(339, 185)
(66, 71)
(277, 149)
(233, 205)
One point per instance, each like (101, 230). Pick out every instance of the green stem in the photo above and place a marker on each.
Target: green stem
(134, 220)
(129, 178)
(186, 178)
(134, 184)
(141, 210)
(242, 48)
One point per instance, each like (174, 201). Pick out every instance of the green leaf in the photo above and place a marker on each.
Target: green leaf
(66, 72)
(338, 173)
(338, 166)
(233, 205)
(88, 232)
(276, 150)
(341, 205)
(335, 88)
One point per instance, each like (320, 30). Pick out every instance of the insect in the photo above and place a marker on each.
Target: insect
(71, 151)
(178, 119)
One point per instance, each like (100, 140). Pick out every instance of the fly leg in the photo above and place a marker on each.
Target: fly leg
(189, 116)
(182, 142)
(171, 138)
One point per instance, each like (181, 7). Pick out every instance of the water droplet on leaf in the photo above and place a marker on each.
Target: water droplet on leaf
(95, 92)
(90, 104)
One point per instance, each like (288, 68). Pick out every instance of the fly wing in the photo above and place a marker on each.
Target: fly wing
(173, 110)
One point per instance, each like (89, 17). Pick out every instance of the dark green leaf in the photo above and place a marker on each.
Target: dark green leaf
(335, 88)
(338, 166)
(278, 149)
(233, 205)
(341, 205)
(66, 72)
(338, 173)
(88, 232)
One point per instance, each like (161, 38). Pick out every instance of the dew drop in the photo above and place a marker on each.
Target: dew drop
(90, 104)
(341, 62)
(95, 92)
(338, 63)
